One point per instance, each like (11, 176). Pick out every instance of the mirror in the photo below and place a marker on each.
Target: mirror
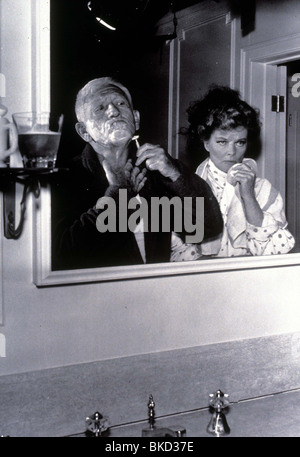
(160, 66)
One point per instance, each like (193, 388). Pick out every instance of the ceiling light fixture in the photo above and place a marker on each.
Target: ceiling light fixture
(110, 27)
(101, 21)
(118, 14)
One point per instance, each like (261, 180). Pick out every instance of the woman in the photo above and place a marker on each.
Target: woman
(253, 213)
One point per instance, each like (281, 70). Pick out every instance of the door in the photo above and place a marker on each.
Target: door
(293, 150)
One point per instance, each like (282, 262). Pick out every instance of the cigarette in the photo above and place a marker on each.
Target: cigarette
(135, 138)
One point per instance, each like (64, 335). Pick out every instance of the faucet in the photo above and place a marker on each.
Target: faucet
(97, 424)
(164, 431)
(218, 424)
(153, 431)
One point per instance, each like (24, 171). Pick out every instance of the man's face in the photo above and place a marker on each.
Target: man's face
(109, 117)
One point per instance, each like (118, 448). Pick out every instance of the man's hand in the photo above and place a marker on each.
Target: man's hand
(156, 158)
(135, 177)
(127, 177)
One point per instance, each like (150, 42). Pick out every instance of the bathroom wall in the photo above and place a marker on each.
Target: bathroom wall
(274, 19)
(74, 324)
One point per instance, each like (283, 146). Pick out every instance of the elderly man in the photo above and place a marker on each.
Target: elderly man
(111, 163)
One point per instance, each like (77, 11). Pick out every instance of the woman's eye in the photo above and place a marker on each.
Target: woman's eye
(241, 143)
(120, 103)
(221, 142)
(99, 108)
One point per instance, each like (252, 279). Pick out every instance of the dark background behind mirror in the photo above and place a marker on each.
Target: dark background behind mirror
(136, 54)
(82, 49)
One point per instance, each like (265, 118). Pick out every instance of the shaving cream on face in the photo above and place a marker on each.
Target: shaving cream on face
(93, 130)
(108, 133)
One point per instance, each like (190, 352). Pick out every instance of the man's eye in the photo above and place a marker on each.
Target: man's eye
(99, 108)
(121, 102)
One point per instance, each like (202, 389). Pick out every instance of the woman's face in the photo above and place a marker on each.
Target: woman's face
(227, 147)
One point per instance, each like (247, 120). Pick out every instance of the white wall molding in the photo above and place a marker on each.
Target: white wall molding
(41, 55)
(1, 262)
(261, 77)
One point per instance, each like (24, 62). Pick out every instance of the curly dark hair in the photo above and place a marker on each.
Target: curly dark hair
(221, 107)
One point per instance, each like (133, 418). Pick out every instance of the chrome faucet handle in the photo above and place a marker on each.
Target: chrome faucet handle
(97, 424)
(154, 431)
(218, 424)
(219, 400)
(151, 412)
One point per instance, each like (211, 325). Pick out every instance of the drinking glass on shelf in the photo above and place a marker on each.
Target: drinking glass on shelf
(8, 138)
(38, 138)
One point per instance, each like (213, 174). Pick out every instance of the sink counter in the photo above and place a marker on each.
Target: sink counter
(270, 416)
(263, 371)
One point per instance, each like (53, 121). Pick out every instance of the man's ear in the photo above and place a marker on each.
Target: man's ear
(137, 116)
(80, 129)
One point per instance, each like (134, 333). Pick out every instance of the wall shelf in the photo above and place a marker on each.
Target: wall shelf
(30, 178)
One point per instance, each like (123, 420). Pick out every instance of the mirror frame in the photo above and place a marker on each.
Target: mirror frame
(43, 275)
(1, 263)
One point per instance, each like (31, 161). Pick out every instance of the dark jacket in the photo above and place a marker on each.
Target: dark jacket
(76, 241)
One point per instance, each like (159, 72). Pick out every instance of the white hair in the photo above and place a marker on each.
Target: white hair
(93, 86)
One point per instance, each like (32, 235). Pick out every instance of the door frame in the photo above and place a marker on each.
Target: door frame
(261, 77)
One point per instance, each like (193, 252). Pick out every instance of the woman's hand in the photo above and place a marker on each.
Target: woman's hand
(246, 177)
